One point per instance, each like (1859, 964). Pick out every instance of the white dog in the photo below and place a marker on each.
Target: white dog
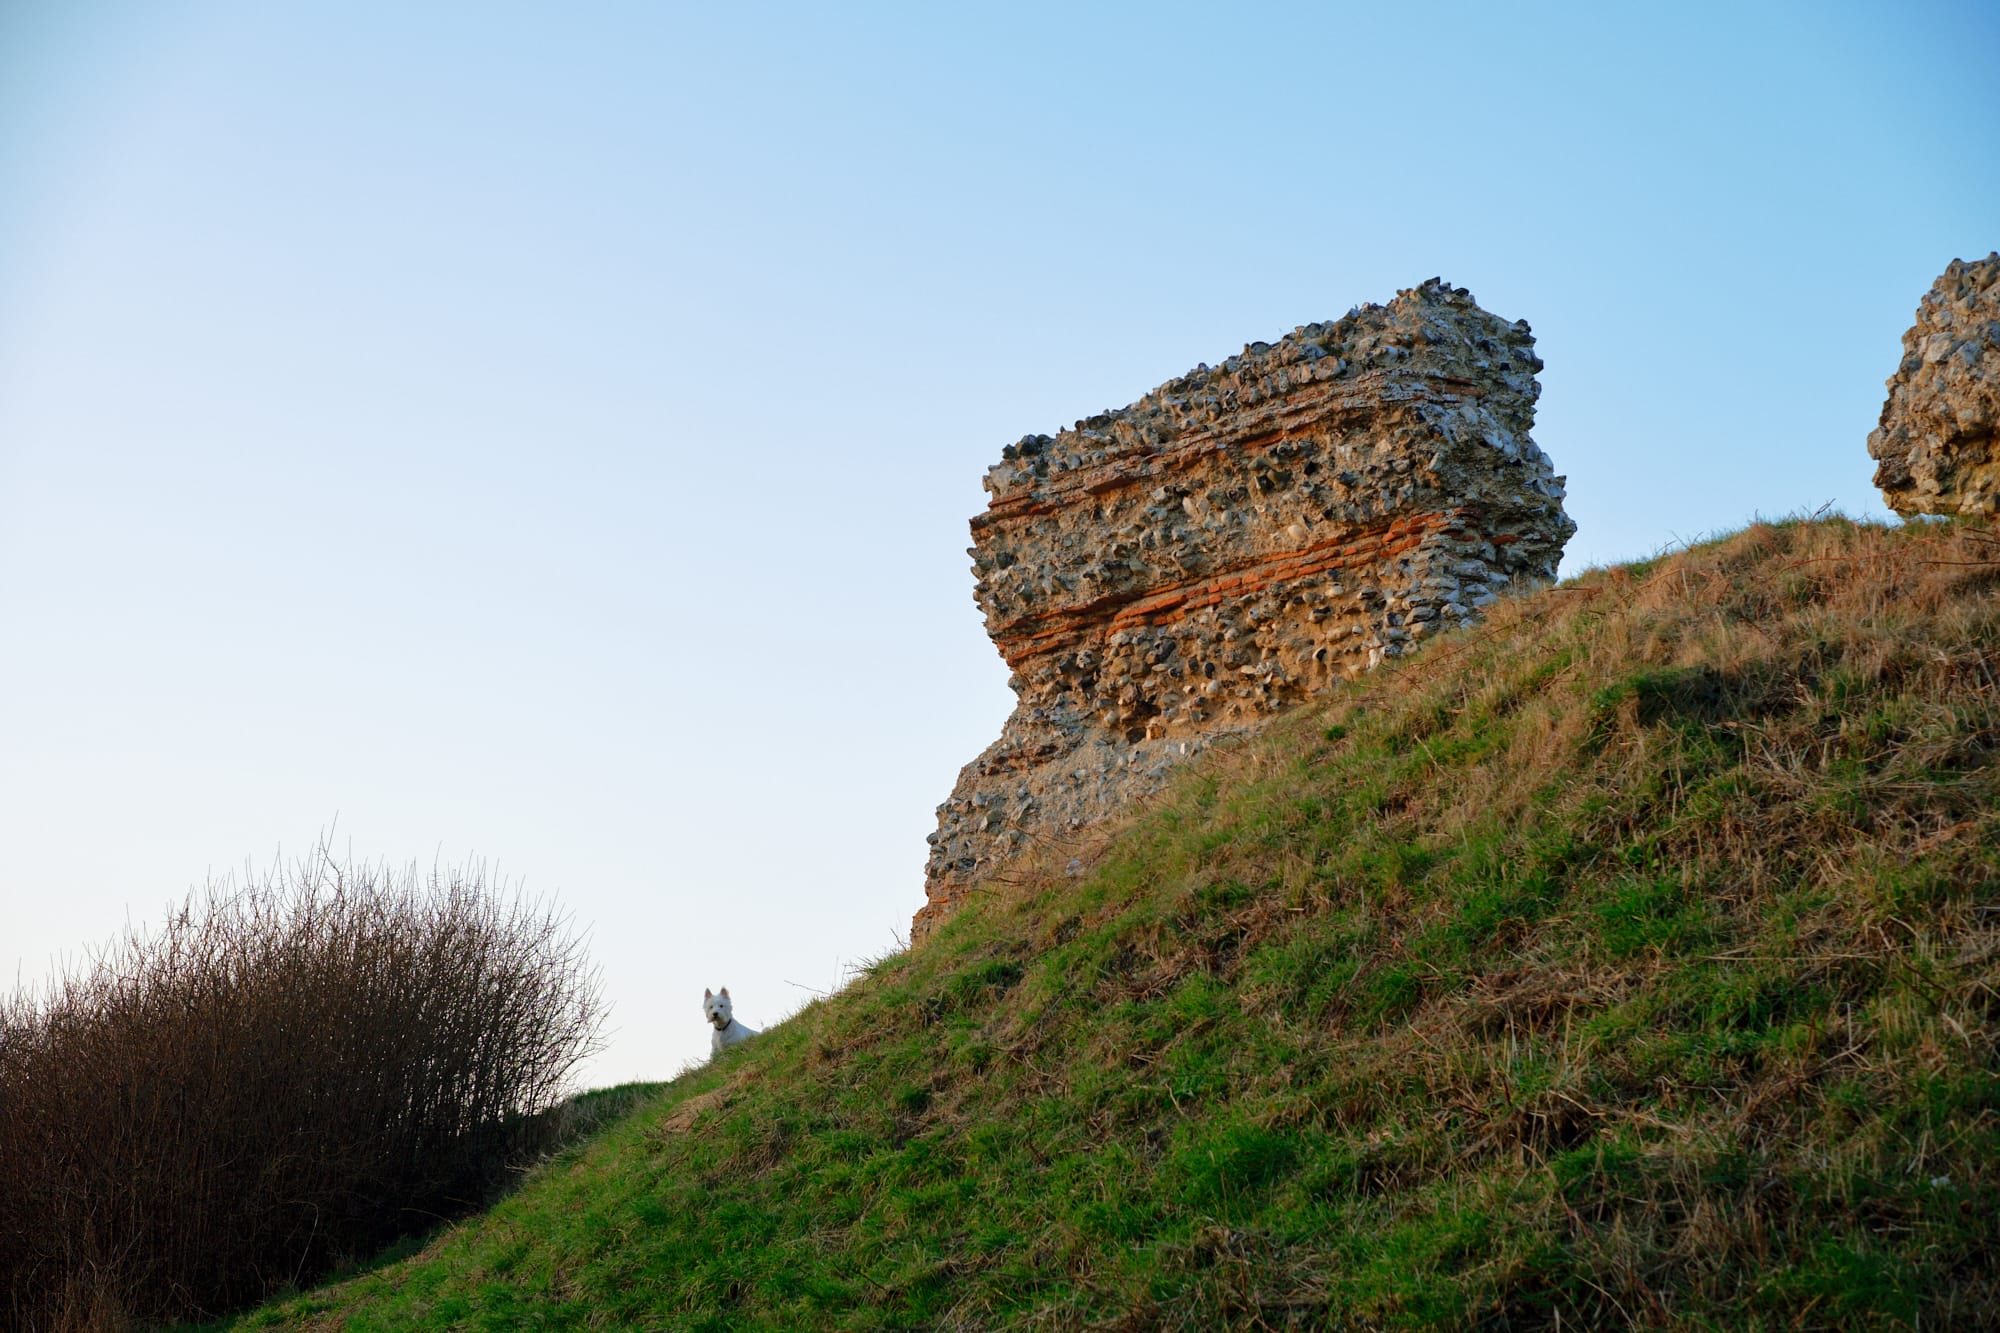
(728, 1031)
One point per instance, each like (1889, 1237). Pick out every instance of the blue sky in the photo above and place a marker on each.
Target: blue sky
(548, 433)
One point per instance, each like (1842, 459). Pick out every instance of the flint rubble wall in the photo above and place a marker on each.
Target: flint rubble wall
(1240, 539)
(1935, 445)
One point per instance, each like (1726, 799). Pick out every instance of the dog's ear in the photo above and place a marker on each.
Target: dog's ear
(725, 992)
(707, 994)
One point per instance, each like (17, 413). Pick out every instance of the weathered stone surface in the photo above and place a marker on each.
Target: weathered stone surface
(1935, 444)
(1235, 541)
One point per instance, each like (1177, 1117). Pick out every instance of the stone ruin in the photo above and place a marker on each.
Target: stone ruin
(1240, 539)
(1935, 445)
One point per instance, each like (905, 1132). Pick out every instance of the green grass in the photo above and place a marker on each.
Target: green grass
(1631, 960)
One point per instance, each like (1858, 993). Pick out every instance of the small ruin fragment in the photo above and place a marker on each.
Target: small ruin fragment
(1935, 446)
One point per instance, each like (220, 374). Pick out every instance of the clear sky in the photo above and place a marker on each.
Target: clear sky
(547, 432)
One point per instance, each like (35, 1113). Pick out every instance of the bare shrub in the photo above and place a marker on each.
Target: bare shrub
(278, 1080)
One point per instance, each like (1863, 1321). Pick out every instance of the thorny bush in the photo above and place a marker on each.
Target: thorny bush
(279, 1079)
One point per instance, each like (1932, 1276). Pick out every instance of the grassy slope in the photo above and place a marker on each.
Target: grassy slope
(1630, 960)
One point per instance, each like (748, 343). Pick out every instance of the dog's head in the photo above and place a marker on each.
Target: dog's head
(717, 1007)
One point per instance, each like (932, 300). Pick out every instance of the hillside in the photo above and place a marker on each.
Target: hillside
(1633, 958)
